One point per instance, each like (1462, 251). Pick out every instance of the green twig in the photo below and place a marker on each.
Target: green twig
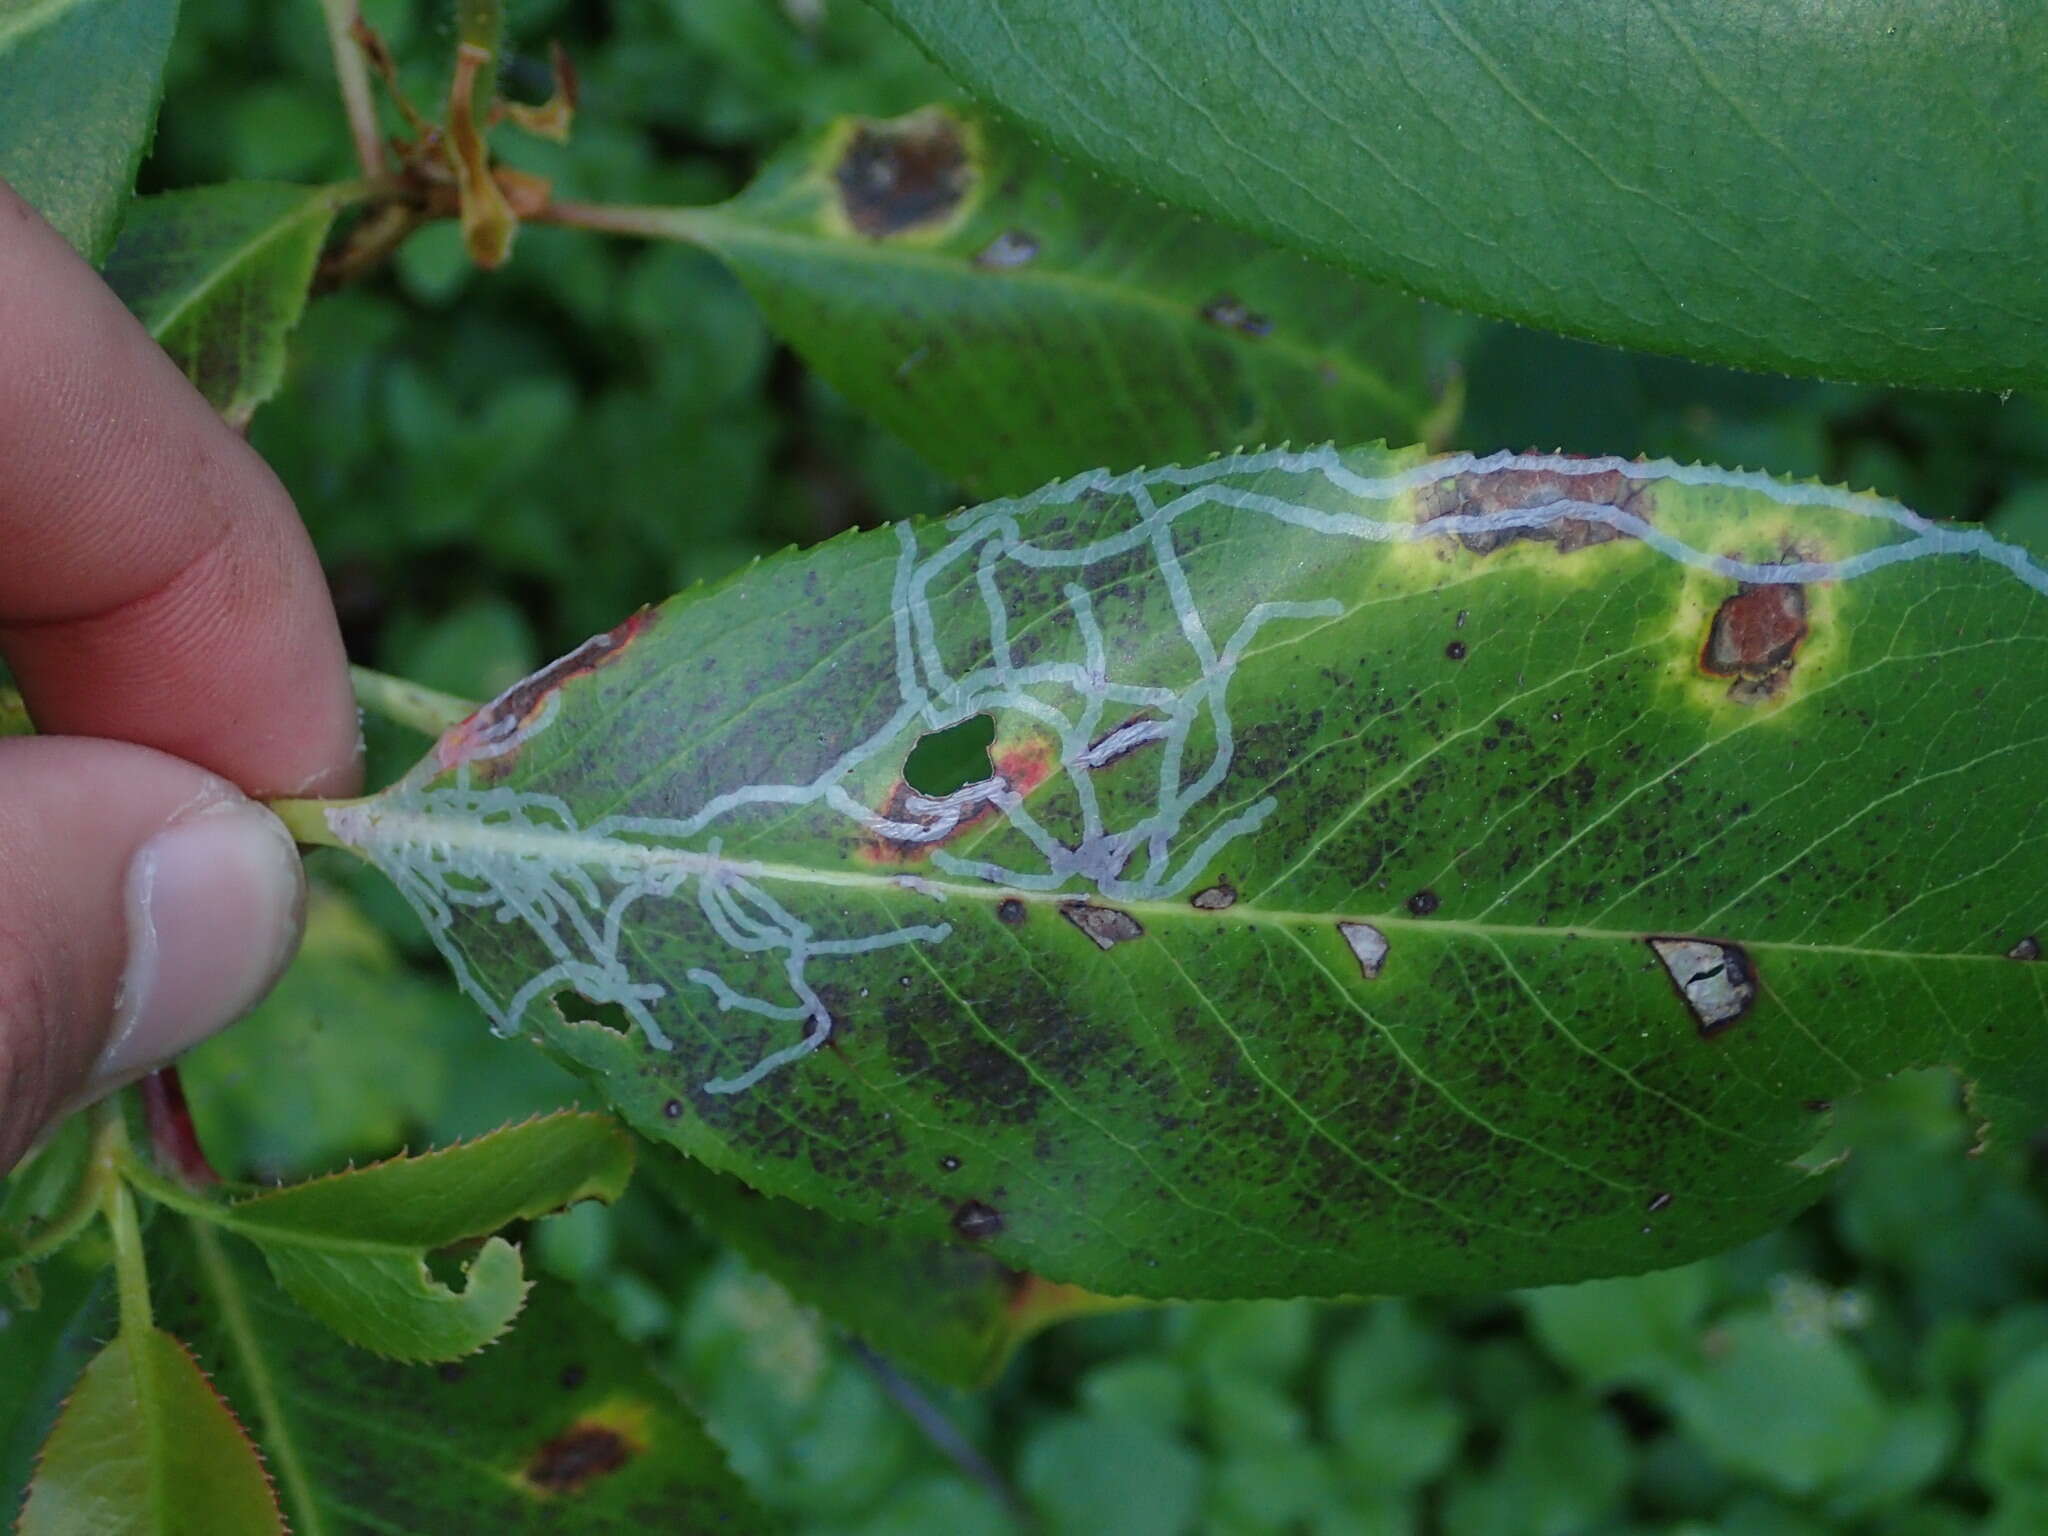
(353, 76)
(408, 704)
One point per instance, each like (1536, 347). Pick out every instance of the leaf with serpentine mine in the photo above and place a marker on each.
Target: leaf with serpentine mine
(1383, 872)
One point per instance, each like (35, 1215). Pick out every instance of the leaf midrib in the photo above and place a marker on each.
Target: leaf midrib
(387, 827)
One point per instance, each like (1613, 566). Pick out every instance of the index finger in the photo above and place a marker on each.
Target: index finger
(156, 585)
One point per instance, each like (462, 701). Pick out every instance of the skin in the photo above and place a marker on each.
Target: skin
(164, 614)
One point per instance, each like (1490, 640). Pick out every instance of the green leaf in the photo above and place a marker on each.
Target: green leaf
(1390, 873)
(145, 1445)
(80, 79)
(352, 1247)
(949, 1312)
(1724, 181)
(219, 275)
(1012, 317)
(559, 1428)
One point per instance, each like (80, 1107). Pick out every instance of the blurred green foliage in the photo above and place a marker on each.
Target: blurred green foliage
(497, 465)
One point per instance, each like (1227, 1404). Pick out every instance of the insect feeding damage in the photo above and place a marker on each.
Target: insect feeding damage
(1491, 492)
(2028, 948)
(1753, 638)
(908, 174)
(1219, 897)
(1716, 980)
(1011, 249)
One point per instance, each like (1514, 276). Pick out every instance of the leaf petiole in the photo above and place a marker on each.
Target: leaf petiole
(426, 710)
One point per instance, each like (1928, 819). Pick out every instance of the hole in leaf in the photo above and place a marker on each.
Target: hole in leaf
(578, 1009)
(948, 760)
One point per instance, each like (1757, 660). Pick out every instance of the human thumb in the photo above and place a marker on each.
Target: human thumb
(144, 904)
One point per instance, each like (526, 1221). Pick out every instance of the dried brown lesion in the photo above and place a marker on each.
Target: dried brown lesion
(1107, 927)
(1716, 979)
(489, 739)
(1483, 493)
(904, 175)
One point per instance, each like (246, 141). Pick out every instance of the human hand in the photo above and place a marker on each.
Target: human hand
(165, 617)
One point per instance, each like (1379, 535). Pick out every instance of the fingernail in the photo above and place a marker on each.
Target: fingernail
(215, 902)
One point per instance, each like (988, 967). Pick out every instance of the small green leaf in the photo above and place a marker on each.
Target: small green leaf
(1489, 870)
(443, 1196)
(50, 1198)
(1012, 317)
(561, 1428)
(80, 81)
(1849, 189)
(352, 1247)
(393, 1304)
(219, 275)
(146, 1447)
(949, 1312)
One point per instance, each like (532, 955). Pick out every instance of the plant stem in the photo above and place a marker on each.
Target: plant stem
(131, 1270)
(940, 1432)
(421, 709)
(480, 23)
(354, 77)
(619, 219)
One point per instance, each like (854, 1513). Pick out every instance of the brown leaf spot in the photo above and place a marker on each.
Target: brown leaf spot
(1012, 248)
(1368, 946)
(1107, 926)
(1219, 897)
(1481, 493)
(577, 1457)
(1753, 638)
(1423, 902)
(1012, 911)
(1229, 313)
(977, 1222)
(1455, 650)
(1716, 980)
(490, 738)
(2028, 948)
(899, 176)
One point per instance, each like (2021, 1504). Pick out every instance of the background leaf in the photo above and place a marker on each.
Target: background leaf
(146, 1447)
(219, 275)
(78, 90)
(1724, 181)
(559, 1428)
(1014, 318)
(1351, 905)
(948, 1312)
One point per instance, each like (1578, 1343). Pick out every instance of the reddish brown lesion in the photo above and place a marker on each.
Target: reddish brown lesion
(1754, 638)
(1020, 767)
(1481, 493)
(489, 739)
(578, 1457)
